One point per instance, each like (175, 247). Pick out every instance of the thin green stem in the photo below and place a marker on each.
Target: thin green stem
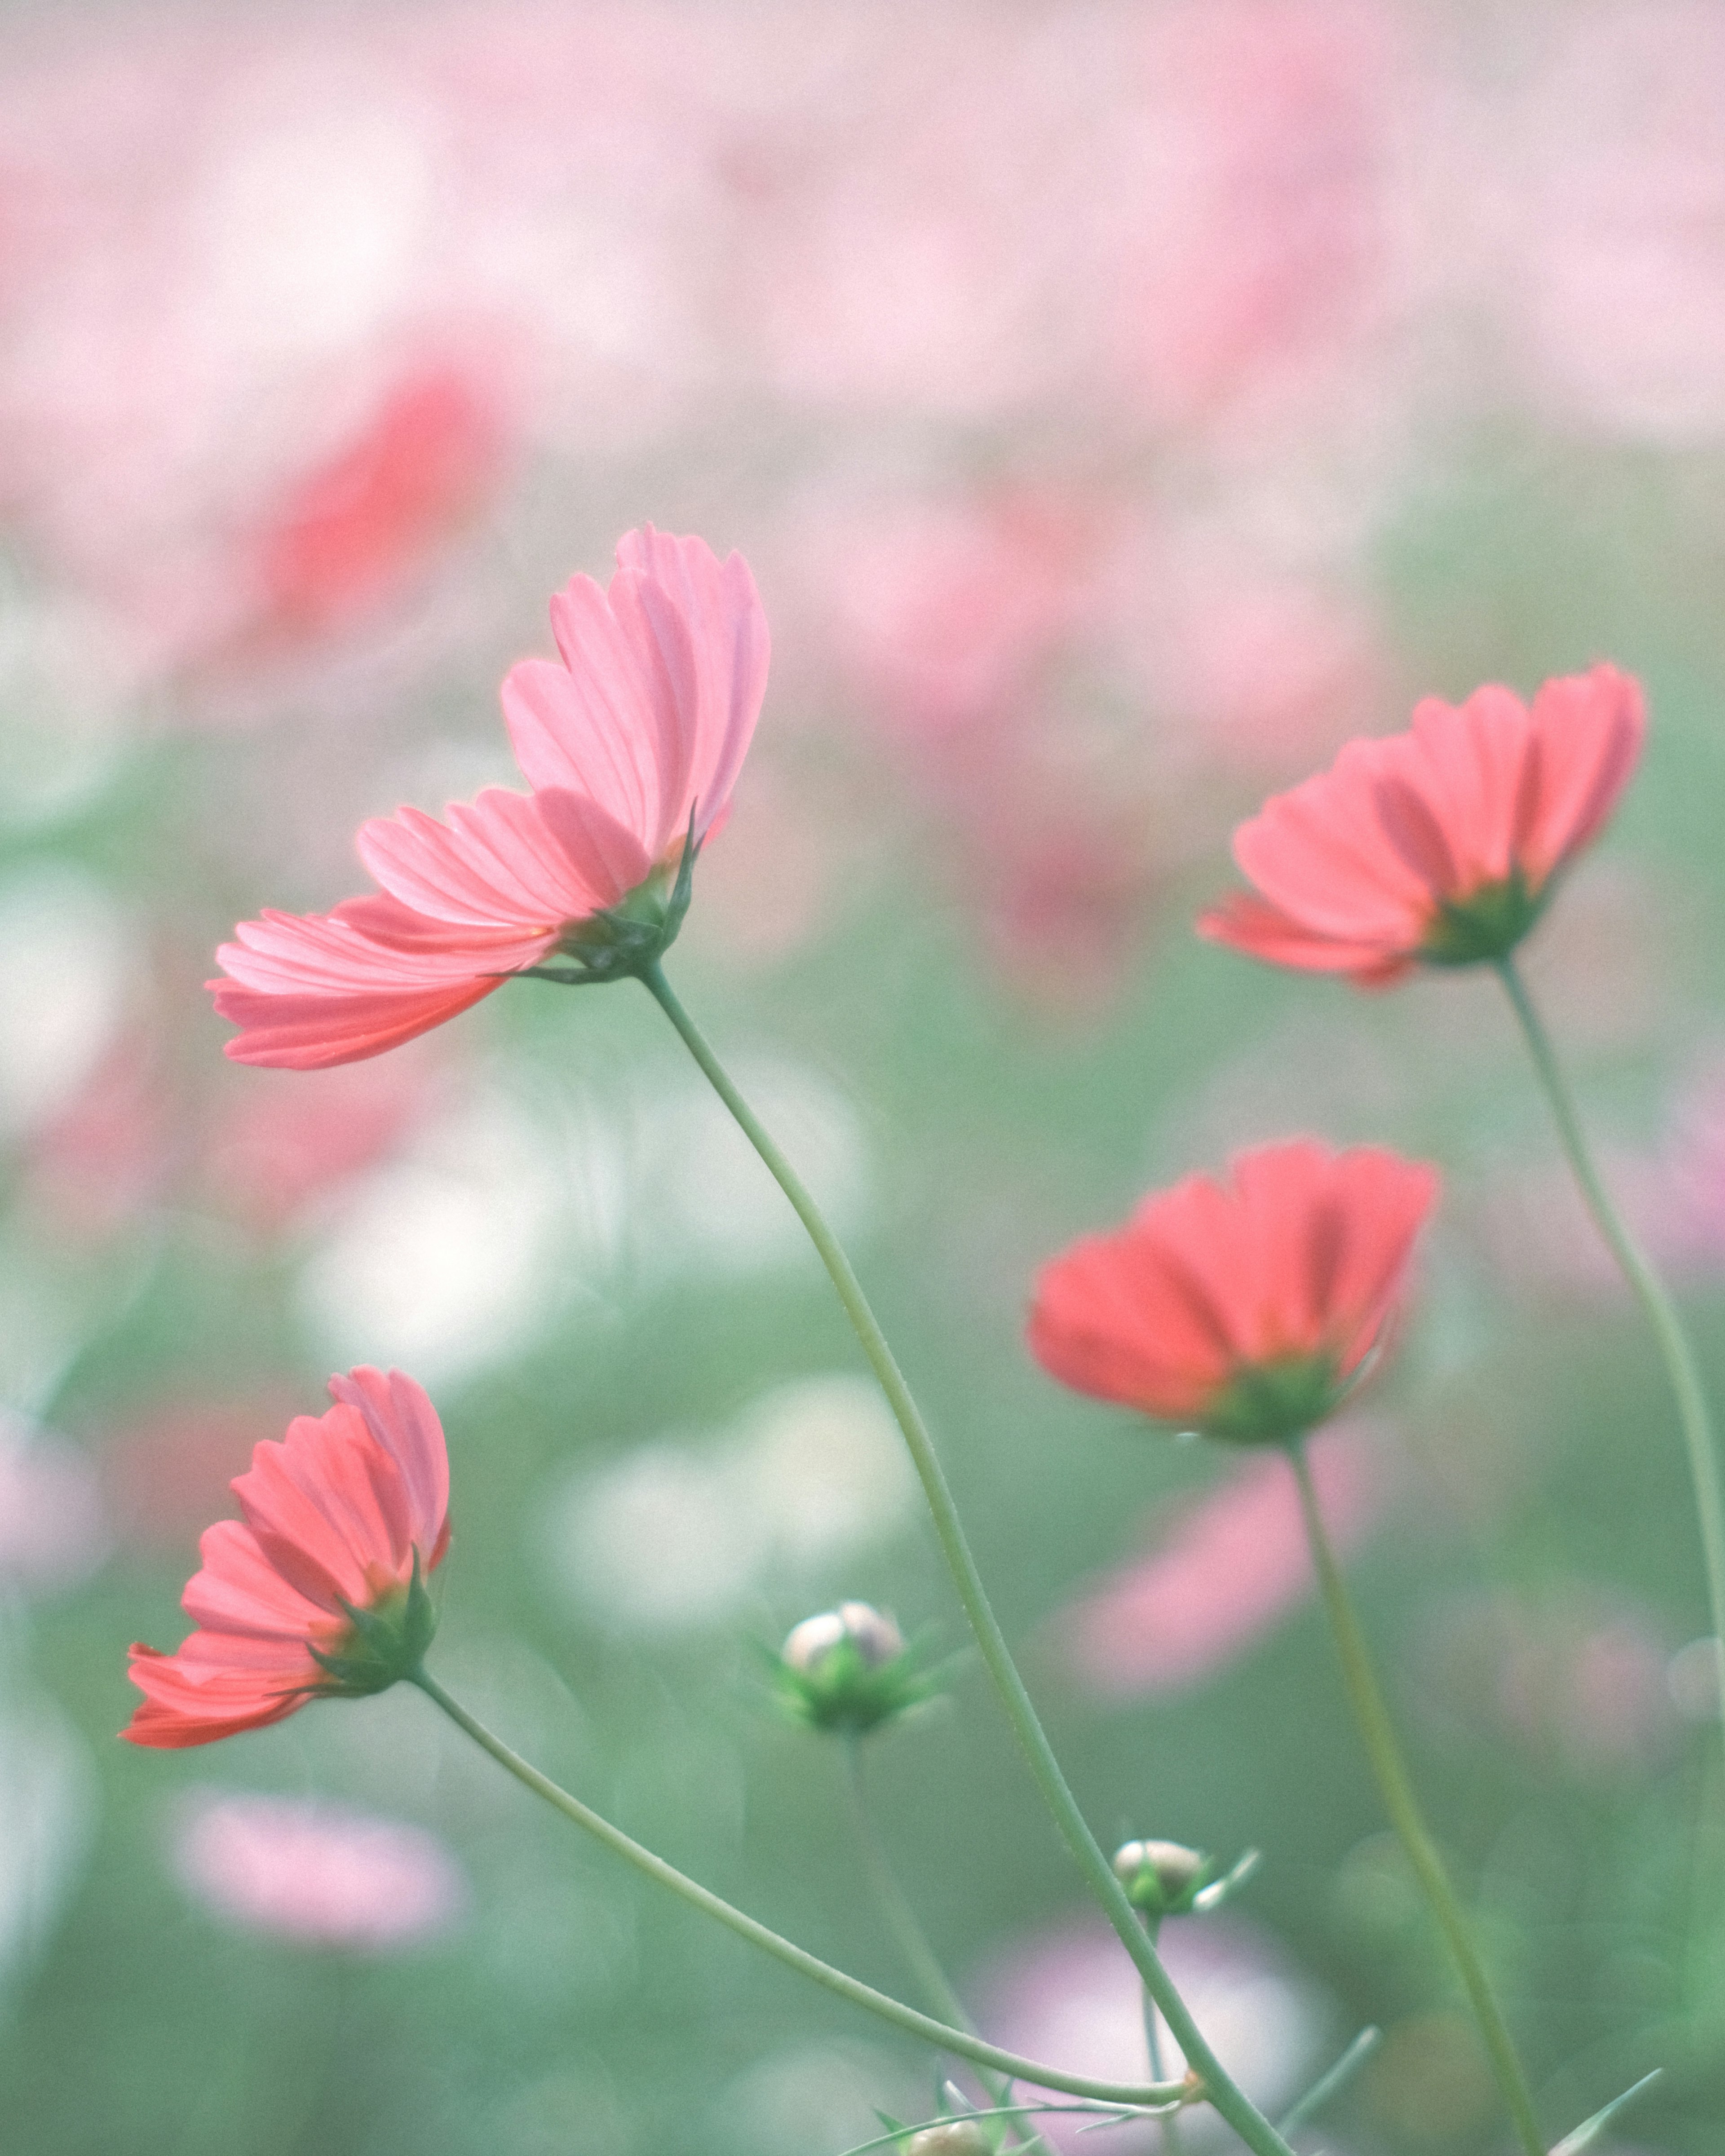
(1379, 1735)
(1153, 2046)
(1219, 2089)
(907, 2017)
(901, 1920)
(1650, 1291)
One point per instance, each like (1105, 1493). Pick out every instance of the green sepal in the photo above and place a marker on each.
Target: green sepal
(384, 1644)
(626, 941)
(1485, 925)
(1269, 1402)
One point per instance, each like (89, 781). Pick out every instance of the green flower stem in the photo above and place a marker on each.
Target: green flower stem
(1650, 1291)
(1219, 2089)
(901, 1920)
(1152, 2044)
(906, 2018)
(1382, 1749)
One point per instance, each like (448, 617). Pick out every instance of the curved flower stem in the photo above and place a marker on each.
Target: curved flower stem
(758, 1934)
(1382, 1749)
(901, 1920)
(1650, 1291)
(1219, 2090)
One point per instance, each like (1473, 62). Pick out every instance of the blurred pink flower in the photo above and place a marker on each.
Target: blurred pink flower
(1613, 230)
(1070, 1994)
(947, 613)
(166, 1470)
(54, 1524)
(108, 1154)
(1673, 1193)
(1248, 220)
(1233, 1566)
(1575, 1676)
(319, 1875)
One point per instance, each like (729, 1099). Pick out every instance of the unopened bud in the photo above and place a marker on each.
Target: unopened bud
(953, 2137)
(1162, 1878)
(849, 1669)
(812, 1644)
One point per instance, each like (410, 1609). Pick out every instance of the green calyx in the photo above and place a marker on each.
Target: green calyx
(625, 941)
(1269, 1402)
(384, 1643)
(1487, 924)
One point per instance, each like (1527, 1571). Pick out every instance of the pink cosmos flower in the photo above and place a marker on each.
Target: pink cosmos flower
(320, 1591)
(319, 1875)
(1245, 1309)
(1234, 1565)
(632, 745)
(1442, 843)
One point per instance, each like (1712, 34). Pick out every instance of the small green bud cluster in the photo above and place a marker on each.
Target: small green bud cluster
(848, 1670)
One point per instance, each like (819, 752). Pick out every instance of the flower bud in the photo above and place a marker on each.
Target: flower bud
(849, 1669)
(1162, 1878)
(814, 1643)
(953, 2137)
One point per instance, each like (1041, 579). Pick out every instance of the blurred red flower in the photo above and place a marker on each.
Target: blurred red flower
(1245, 1309)
(342, 1518)
(1442, 843)
(370, 516)
(632, 745)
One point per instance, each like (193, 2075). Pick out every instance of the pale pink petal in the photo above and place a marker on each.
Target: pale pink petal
(494, 866)
(594, 724)
(727, 629)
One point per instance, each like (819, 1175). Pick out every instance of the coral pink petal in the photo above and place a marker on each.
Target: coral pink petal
(238, 1591)
(401, 1418)
(1246, 922)
(333, 1515)
(314, 990)
(1362, 859)
(316, 1032)
(181, 1709)
(1590, 729)
(1321, 854)
(327, 1507)
(1300, 1253)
